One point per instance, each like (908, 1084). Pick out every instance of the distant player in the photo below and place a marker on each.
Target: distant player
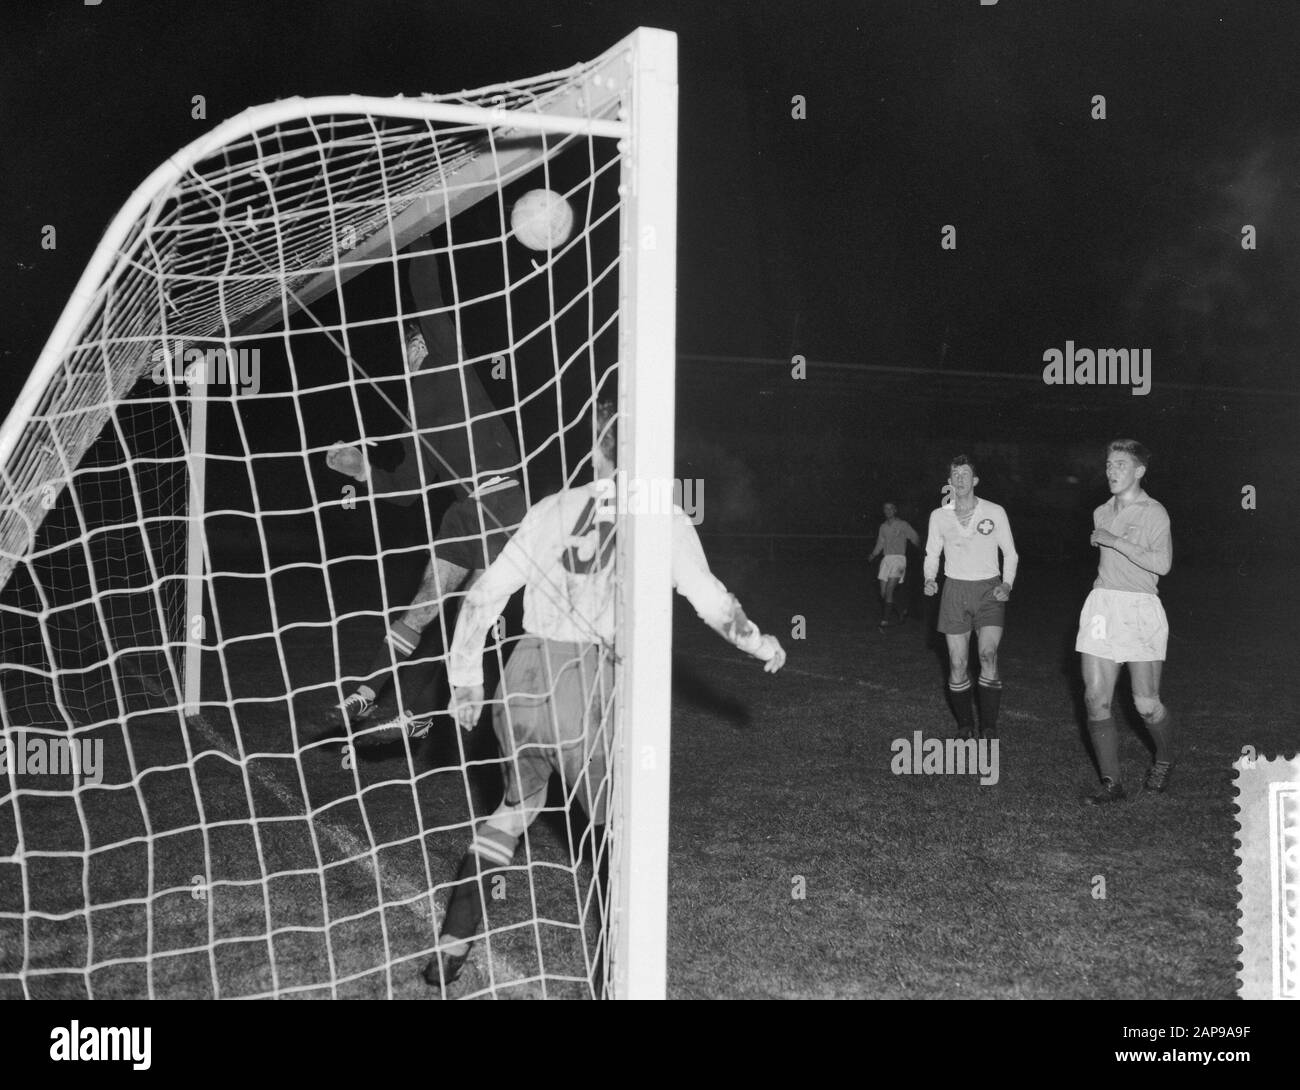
(892, 542)
(969, 532)
(558, 681)
(461, 441)
(1122, 620)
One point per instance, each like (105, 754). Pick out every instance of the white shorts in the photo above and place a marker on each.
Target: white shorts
(1123, 626)
(892, 567)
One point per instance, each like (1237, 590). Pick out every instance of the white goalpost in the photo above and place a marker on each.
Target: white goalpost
(187, 589)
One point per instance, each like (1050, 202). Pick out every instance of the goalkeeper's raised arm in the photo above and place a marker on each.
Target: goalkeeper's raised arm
(714, 604)
(563, 557)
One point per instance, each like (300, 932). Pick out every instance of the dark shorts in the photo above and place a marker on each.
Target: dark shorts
(969, 603)
(473, 532)
(557, 715)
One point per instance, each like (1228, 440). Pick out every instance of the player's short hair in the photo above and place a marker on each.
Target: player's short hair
(607, 429)
(1131, 447)
(962, 460)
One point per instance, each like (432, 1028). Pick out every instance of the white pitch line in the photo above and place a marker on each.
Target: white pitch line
(349, 844)
(732, 660)
(408, 894)
(892, 690)
(356, 850)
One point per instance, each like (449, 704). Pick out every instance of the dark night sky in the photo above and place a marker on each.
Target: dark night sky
(818, 236)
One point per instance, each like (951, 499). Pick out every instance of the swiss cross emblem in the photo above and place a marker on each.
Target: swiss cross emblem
(985, 527)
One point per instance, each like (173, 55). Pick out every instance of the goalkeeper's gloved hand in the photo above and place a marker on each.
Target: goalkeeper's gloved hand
(466, 704)
(772, 654)
(349, 460)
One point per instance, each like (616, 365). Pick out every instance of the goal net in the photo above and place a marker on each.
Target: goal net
(188, 589)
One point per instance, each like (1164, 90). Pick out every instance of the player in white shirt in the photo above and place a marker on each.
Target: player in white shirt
(1122, 620)
(555, 697)
(892, 541)
(969, 531)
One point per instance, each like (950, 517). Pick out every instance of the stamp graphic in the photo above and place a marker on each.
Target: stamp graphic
(1268, 865)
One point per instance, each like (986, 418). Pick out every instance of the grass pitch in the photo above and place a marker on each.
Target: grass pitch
(802, 867)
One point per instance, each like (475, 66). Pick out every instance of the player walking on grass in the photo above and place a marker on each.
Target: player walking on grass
(1122, 620)
(892, 542)
(553, 710)
(969, 531)
(463, 443)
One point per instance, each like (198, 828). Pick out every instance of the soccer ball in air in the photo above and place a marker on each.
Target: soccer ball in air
(541, 219)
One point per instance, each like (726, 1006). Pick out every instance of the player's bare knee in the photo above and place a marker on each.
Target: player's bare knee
(1097, 699)
(1150, 708)
(1098, 705)
(989, 663)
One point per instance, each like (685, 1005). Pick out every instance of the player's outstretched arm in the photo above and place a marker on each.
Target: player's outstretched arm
(743, 633)
(933, 547)
(880, 544)
(716, 606)
(1010, 558)
(348, 459)
(466, 704)
(401, 485)
(351, 460)
(483, 605)
(399, 488)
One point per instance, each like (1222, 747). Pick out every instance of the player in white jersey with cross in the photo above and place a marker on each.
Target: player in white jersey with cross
(969, 531)
(554, 699)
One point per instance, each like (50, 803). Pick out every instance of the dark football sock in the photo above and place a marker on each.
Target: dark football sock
(465, 909)
(490, 851)
(399, 643)
(1105, 744)
(420, 690)
(1162, 734)
(962, 707)
(990, 700)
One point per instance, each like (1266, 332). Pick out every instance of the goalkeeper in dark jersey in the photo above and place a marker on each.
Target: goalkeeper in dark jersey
(458, 440)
